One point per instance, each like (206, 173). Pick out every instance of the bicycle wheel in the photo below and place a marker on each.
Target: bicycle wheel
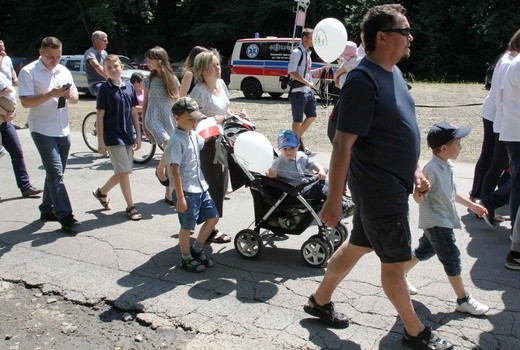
(88, 129)
(146, 152)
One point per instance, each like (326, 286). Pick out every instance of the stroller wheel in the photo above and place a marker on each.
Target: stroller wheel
(338, 235)
(248, 244)
(315, 251)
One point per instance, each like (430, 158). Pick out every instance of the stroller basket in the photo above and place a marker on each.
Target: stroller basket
(291, 216)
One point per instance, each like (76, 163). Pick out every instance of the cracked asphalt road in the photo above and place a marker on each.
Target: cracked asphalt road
(81, 285)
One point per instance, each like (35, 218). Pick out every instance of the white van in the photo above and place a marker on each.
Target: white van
(258, 63)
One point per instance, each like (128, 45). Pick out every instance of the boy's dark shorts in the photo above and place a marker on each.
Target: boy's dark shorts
(381, 222)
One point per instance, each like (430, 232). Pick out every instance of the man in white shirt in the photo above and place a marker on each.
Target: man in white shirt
(46, 88)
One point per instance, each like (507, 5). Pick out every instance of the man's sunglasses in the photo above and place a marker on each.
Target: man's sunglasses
(403, 31)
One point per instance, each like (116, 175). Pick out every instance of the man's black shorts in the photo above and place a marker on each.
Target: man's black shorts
(381, 223)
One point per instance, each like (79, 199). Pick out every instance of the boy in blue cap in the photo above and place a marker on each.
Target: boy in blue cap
(437, 213)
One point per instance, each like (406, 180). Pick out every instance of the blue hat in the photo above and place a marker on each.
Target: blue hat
(442, 133)
(287, 138)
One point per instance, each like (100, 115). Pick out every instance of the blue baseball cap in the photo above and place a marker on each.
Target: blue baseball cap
(442, 133)
(287, 138)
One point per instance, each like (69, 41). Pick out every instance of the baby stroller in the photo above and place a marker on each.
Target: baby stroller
(281, 209)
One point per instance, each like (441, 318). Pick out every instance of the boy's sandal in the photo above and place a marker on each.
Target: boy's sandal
(218, 237)
(103, 200)
(133, 214)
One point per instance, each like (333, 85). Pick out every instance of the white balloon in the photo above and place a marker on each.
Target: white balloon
(329, 39)
(254, 151)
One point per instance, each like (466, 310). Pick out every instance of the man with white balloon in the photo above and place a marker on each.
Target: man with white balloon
(301, 94)
(377, 142)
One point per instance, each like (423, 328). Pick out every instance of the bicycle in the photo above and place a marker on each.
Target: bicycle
(141, 156)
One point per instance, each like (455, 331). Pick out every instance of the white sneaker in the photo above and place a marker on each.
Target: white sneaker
(411, 289)
(472, 306)
(3, 151)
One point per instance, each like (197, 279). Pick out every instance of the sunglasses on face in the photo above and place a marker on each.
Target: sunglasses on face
(403, 31)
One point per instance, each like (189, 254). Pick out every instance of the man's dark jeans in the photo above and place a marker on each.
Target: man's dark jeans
(12, 144)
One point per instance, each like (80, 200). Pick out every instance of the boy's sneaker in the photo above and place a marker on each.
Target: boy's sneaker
(3, 152)
(326, 313)
(192, 265)
(512, 262)
(471, 306)
(426, 340)
(411, 289)
(201, 257)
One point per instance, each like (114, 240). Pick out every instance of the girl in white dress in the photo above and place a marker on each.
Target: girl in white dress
(161, 90)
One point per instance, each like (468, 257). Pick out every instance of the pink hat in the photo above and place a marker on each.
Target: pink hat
(350, 50)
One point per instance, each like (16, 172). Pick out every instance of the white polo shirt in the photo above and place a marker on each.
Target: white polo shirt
(46, 118)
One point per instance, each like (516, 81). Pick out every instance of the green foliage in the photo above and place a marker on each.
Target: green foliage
(453, 39)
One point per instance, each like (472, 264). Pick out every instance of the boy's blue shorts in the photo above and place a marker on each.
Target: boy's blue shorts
(200, 208)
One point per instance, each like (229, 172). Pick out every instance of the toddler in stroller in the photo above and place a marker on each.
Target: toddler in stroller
(287, 201)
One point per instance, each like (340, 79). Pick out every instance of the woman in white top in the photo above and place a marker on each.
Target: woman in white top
(212, 96)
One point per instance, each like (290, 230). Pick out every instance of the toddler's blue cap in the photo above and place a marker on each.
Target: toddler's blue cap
(287, 138)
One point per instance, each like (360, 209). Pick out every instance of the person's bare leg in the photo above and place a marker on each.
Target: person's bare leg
(296, 128)
(111, 183)
(411, 264)
(396, 289)
(458, 286)
(340, 264)
(124, 183)
(305, 125)
(206, 229)
(184, 241)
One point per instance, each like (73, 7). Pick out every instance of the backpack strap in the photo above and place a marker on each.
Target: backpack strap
(300, 61)
(370, 75)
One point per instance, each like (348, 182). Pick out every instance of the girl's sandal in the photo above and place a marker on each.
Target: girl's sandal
(102, 198)
(133, 214)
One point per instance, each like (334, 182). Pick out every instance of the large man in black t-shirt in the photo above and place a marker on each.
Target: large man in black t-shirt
(377, 143)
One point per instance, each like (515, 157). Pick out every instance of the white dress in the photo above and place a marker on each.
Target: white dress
(159, 116)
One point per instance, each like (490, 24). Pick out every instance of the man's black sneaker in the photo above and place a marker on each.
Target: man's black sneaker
(512, 262)
(31, 191)
(68, 223)
(49, 216)
(326, 313)
(426, 340)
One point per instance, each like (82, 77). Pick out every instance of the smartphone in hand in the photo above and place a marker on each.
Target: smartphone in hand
(61, 100)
